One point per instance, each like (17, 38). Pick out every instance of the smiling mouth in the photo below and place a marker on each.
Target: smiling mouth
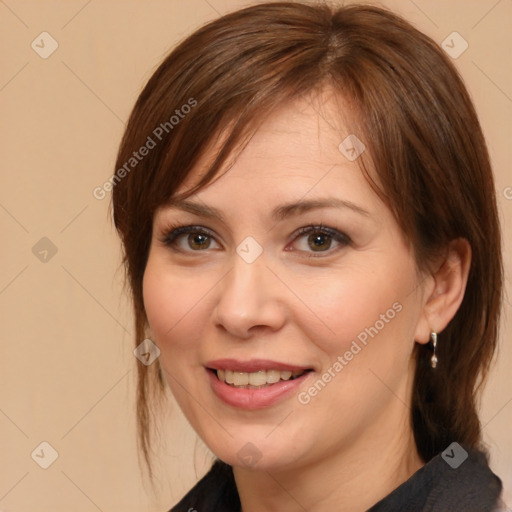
(256, 380)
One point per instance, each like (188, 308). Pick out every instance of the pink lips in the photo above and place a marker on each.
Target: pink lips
(252, 399)
(252, 366)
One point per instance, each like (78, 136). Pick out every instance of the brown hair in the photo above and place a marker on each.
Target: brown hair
(422, 134)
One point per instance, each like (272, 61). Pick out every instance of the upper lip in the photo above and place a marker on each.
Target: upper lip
(253, 365)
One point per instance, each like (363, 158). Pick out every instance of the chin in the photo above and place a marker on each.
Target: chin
(257, 453)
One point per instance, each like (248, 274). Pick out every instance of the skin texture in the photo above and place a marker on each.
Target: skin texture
(352, 443)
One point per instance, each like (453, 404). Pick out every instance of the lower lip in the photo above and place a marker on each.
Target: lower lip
(245, 398)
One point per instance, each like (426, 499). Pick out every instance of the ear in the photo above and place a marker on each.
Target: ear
(444, 290)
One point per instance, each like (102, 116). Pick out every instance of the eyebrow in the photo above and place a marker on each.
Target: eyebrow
(279, 213)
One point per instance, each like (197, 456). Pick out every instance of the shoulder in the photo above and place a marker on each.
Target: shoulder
(216, 491)
(458, 479)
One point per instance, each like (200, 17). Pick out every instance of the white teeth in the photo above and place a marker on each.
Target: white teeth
(273, 376)
(240, 378)
(256, 379)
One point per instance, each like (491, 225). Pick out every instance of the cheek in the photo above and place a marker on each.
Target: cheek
(356, 306)
(163, 311)
(366, 346)
(176, 305)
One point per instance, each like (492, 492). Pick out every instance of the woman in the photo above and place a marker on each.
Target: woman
(307, 211)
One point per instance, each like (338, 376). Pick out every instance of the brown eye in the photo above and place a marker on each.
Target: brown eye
(190, 239)
(319, 242)
(198, 241)
(320, 239)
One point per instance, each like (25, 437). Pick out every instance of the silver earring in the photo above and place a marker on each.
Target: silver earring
(433, 359)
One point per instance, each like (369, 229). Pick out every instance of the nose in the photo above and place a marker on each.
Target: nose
(249, 300)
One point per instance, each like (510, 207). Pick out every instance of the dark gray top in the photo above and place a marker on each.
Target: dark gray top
(436, 487)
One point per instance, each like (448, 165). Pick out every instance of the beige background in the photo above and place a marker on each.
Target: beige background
(67, 371)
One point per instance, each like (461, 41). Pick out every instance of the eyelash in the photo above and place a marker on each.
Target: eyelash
(173, 232)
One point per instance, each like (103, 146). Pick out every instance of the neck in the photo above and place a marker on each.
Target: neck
(351, 478)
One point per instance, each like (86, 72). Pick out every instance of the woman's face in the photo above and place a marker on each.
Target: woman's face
(296, 287)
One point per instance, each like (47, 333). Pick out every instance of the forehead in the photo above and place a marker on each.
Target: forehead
(298, 146)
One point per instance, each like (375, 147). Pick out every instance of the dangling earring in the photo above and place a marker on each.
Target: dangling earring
(433, 359)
